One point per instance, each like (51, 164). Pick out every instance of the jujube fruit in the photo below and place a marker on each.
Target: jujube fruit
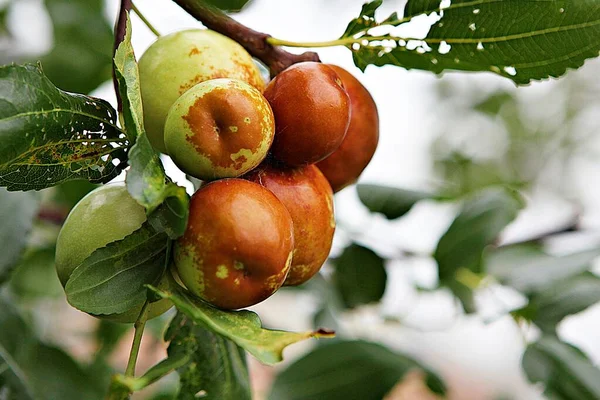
(237, 247)
(105, 215)
(220, 128)
(345, 165)
(176, 62)
(312, 113)
(307, 195)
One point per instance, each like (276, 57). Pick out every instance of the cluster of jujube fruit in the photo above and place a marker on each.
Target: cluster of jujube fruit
(270, 158)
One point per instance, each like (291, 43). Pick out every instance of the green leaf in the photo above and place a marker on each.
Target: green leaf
(418, 7)
(563, 369)
(111, 280)
(243, 327)
(530, 271)
(215, 365)
(146, 179)
(359, 276)
(17, 212)
(391, 202)
(349, 370)
(572, 296)
(460, 250)
(365, 21)
(519, 40)
(81, 58)
(50, 136)
(478, 225)
(55, 375)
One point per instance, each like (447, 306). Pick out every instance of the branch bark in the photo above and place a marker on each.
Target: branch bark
(275, 58)
(120, 27)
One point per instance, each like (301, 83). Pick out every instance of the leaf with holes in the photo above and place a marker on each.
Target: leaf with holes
(519, 40)
(50, 136)
(215, 365)
(243, 327)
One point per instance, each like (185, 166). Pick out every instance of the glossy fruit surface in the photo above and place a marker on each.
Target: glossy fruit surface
(312, 113)
(176, 62)
(237, 247)
(104, 215)
(220, 128)
(344, 166)
(308, 197)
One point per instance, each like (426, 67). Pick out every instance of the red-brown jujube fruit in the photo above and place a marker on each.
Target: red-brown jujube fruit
(308, 197)
(344, 166)
(238, 244)
(312, 113)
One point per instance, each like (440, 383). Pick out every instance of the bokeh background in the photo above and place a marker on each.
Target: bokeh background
(450, 134)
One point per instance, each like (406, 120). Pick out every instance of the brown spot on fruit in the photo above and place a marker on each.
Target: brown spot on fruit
(194, 51)
(308, 197)
(208, 134)
(345, 165)
(235, 250)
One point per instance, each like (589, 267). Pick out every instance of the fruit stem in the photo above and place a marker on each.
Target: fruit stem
(144, 20)
(139, 325)
(256, 43)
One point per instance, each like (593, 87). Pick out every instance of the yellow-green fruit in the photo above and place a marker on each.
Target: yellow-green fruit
(176, 62)
(104, 215)
(220, 128)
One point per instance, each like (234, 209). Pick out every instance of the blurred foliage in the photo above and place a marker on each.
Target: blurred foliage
(564, 370)
(349, 370)
(359, 276)
(81, 57)
(34, 370)
(17, 211)
(500, 135)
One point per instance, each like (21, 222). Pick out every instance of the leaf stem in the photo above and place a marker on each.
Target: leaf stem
(143, 18)
(139, 325)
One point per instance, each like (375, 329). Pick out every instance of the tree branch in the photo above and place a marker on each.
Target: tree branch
(275, 58)
(120, 27)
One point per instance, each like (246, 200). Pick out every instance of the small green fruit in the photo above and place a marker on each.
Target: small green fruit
(176, 62)
(220, 128)
(105, 215)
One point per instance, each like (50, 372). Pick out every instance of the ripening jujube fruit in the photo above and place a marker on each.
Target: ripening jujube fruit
(176, 62)
(105, 215)
(312, 113)
(238, 244)
(308, 197)
(345, 165)
(220, 128)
